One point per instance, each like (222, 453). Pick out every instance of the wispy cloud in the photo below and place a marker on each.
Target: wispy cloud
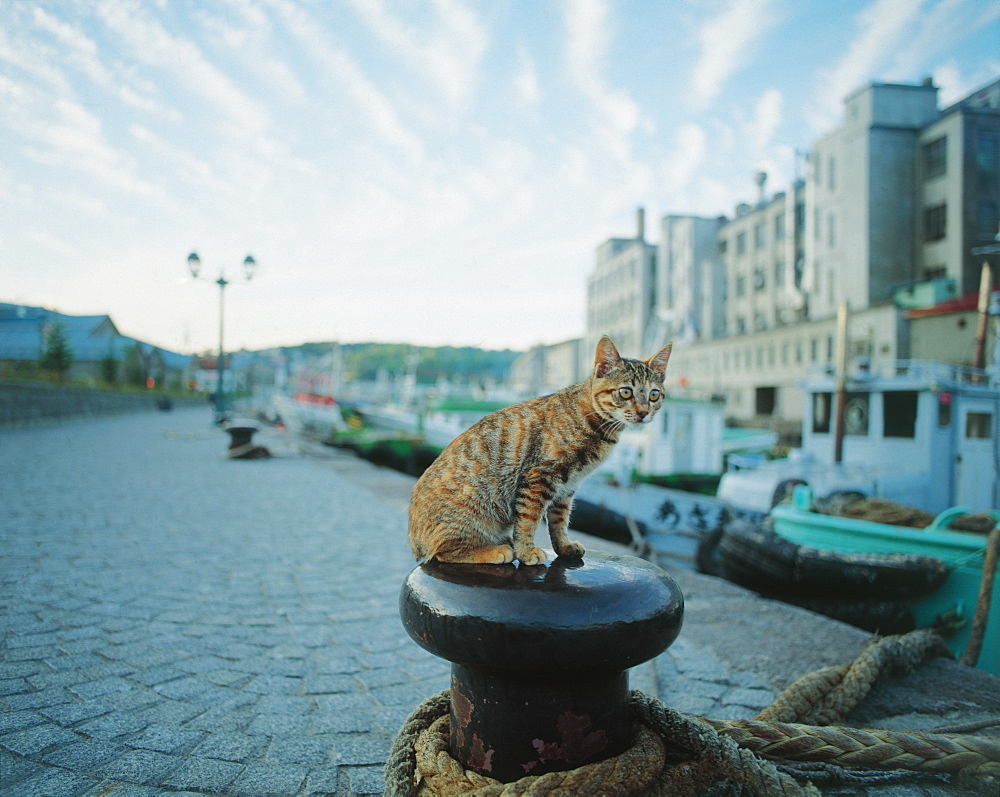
(526, 81)
(448, 51)
(152, 45)
(588, 42)
(726, 44)
(878, 29)
(374, 104)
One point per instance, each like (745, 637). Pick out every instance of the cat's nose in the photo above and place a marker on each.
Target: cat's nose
(641, 414)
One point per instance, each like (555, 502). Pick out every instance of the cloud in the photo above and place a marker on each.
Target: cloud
(936, 30)
(448, 51)
(879, 28)
(526, 81)
(588, 43)
(375, 105)
(688, 155)
(767, 118)
(726, 42)
(955, 85)
(184, 61)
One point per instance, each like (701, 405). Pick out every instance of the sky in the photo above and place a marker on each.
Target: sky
(438, 172)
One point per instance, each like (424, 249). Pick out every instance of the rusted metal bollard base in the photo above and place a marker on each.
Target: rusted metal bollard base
(572, 722)
(539, 654)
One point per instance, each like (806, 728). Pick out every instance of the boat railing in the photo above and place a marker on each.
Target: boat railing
(924, 371)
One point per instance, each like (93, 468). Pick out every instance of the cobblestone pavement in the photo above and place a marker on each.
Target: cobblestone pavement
(175, 622)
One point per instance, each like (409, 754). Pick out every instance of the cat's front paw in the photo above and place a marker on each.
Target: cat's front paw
(571, 550)
(532, 556)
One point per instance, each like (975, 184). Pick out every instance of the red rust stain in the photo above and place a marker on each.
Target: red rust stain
(481, 759)
(462, 708)
(575, 744)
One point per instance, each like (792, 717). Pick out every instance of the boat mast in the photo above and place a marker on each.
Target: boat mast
(985, 283)
(841, 377)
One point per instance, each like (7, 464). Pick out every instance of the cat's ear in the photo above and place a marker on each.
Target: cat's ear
(607, 358)
(658, 362)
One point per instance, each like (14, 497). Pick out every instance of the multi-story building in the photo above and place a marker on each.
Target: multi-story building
(761, 253)
(894, 204)
(690, 288)
(958, 189)
(860, 241)
(621, 292)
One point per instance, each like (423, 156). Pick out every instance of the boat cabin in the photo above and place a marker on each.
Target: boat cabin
(920, 433)
(930, 420)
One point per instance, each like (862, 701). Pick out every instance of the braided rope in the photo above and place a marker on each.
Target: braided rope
(679, 755)
(827, 695)
(871, 748)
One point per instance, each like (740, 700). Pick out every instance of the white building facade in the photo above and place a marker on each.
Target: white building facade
(897, 196)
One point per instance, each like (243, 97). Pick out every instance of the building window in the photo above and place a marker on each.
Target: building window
(856, 414)
(831, 173)
(935, 222)
(741, 285)
(935, 157)
(779, 272)
(988, 155)
(831, 230)
(899, 413)
(986, 221)
(741, 244)
(821, 406)
(760, 234)
(759, 279)
(779, 227)
(979, 425)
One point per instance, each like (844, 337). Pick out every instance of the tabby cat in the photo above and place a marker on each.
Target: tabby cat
(484, 496)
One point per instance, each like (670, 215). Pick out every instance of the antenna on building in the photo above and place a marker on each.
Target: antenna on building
(760, 178)
(640, 224)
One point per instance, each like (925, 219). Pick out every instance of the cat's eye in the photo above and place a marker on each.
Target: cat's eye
(654, 395)
(625, 392)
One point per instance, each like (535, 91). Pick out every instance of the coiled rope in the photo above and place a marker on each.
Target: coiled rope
(675, 754)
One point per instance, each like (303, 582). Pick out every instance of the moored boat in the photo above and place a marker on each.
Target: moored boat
(921, 576)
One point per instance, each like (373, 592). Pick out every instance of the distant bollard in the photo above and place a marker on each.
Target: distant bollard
(241, 445)
(539, 655)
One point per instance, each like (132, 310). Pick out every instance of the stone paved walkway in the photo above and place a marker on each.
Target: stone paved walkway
(173, 620)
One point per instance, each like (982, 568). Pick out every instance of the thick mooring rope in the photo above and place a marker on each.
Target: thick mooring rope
(674, 754)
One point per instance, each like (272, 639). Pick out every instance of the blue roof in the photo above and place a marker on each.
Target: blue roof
(91, 338)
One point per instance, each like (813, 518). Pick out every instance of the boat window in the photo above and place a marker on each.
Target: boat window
(821, 413)
(979, 425)
(856, 414)
(899, 411)
(944, 409)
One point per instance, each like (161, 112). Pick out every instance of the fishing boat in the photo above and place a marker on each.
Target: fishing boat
(922, 437)
(313, 414)
(657, 488)
(921, 433)
(935, 572)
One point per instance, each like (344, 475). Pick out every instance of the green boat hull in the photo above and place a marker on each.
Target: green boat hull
(963, 552)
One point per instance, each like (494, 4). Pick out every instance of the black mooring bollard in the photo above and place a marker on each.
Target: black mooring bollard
(539, 654)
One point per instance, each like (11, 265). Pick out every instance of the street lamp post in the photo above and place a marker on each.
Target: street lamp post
(249, 267)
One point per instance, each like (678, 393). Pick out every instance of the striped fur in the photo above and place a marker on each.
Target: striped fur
(483, 498)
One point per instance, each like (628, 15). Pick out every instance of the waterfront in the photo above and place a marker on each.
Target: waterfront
(178, 622)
